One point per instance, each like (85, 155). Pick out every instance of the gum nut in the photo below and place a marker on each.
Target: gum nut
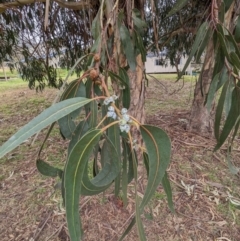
(96, 57)
(93, 74)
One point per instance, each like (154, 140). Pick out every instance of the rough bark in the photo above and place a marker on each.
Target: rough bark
(137, 87)
(200, 118)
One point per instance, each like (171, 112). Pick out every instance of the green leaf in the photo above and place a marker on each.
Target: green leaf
(113, 134)
(75, 89)
(228, 4)
(74, 172)
(93, 111)
(109, 172)
(47, 117)
(237, 30)
(111, 166)
(168, 191)
(201, 33)
(146, 162)
(219, 111)
(203, 44)
(48, 170)
(140, 24)
(221, 12)
(224, 46)
(235, 59)
(223, 78)
(128, 47)
(212, 91)
(80, 130)
(96, 27)
(124, 171)
(140, 46)
(126, 99)
(177, 6)
(231, 118)
(232, 41)
(159, 151)
(228, 98)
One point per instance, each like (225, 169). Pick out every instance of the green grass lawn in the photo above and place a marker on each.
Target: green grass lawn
(16, 81)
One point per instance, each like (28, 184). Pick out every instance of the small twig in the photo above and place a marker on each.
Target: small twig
(158, 82)
(36, 235)
(56, 232)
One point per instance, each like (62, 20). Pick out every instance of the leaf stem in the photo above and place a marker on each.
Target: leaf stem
(109, 125)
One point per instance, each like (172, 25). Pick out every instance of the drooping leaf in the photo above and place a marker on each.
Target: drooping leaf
(235, 60)
(237, 30)
(165, 182)
(203, 44)
(111, 167)
(73, 175)
(128, 47)
(219, 111)
(177, 7)
(93, 117)
(228, 98)
(223, 43)
(223, 78)
(201, 33)
(126, 98)
(113, 134)
(47, 117)
(168, 191)
(212, 91)
(140, 24)
(228, 3)
(124, 172)
(159, 151)
(47, 170)
(96, 27)
(230, 38)
(221, 12)
(75, 89)
(146, 162)
(80, 130)
(231, 118)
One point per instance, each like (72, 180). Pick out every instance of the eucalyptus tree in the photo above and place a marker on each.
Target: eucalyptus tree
(110, 136)
(112, 46)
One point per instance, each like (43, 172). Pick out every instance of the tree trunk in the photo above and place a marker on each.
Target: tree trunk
(137, 87)
(200, 117)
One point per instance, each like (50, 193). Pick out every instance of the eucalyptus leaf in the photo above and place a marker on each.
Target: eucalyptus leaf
(47, 117)
(177, 7)
(128, 47)
(47, 170)
(73, 175)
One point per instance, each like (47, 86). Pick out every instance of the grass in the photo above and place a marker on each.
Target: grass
(15, 81)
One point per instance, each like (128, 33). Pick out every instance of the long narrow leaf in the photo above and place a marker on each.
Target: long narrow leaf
(159, 151)
(199, 38)
(73, 175)
(46, 118)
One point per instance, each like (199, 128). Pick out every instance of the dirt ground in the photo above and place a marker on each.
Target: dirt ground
(31, 206)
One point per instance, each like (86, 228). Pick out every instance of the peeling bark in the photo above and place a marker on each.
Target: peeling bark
(200, 117)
